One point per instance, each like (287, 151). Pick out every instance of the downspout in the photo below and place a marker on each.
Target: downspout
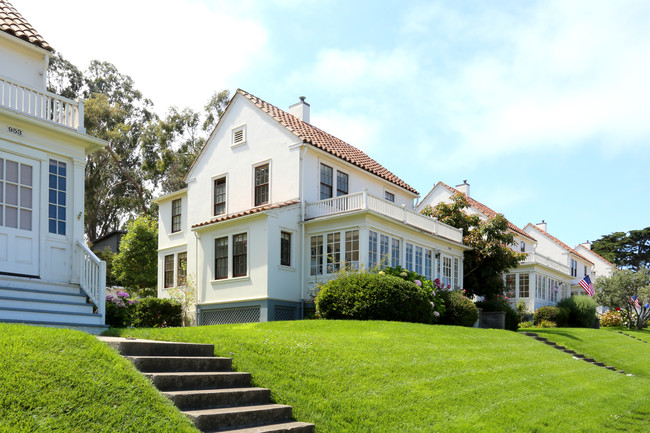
(196, 272)
(303, 150)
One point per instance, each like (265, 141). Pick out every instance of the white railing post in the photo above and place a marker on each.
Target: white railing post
(404, 210)
(364, 199)
(92, 279)
(81, 126)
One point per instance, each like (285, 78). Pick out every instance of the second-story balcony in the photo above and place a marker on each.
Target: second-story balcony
(41, 104)
(538, 259)
(362, 201)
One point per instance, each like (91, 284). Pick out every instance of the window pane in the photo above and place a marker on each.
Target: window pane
(25, 219)
(12, 194)
(333, 252)
(25, 197)
(52, 226)
(261, 184)
(53, 196)
(169, 270)
(285, 249)
(53, 166)
(341, 183)
(394, 260)
(62, 170)
(352, 249)
(53, 181)
(372, 249)
(220, 196)
(61, 215)
(2, 168)
(221, 258)
(1, 216)
(62, 228)
(239, 247)
(62, 198)
(181, 271)
(2, 190)
(418, 260)
(11, 217)
(316, 255)
(12, 171)
(26, 174)
(383, 251)
(326, 181)
(61, 183)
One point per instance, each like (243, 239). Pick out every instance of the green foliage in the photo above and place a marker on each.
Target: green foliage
(364, 296)
(349, 376)
(611, 318)
(582, 310)
(157, 313)
(552, 314)
(461, 311)
(629, 250)
(499, 303)
(108, 256)
(434, 288)
(526, 324)
(616, 292)
(60, 380)
(490, 255)
(546, 324)
(522, 312)
(137, 263)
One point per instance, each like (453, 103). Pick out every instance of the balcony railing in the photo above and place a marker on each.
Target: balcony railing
(364, 201)
(538, 259)
(93, 278)
(42, 104)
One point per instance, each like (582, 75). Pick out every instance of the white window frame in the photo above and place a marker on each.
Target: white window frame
(213, 257)
(233, 144)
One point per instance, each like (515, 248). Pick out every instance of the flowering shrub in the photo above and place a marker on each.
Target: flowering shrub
(119, 309)
(158, 313)
(613, 318)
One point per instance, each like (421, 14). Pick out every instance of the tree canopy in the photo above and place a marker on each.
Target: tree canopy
(490, 240)
(620, 292)
(136, 265)
(630, 250)
(146, 155)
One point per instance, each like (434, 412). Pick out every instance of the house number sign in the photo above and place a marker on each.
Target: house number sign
(15, 130)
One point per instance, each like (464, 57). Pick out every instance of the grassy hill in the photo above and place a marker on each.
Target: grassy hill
(400, 377)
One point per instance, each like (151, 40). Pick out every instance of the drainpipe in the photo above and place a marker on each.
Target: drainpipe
(196, 272)
(303, 151)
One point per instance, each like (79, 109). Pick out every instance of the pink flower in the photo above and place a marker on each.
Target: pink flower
(435, 313)
(418, 283)
(449, 286)
(464, 291)
(122, 294)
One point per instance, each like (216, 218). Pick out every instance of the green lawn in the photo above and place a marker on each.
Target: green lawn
(400, 377)
(605, 345)
(55, 380)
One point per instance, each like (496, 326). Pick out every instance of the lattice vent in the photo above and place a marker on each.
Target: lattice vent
(284, 313)
(230, 315)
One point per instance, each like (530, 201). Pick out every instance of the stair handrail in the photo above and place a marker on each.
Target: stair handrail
(92, 278)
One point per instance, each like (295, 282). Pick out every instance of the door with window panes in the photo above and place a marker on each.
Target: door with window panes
(19, 213)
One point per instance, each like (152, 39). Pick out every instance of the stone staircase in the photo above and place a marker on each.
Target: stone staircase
(48, 304)
(206, 389)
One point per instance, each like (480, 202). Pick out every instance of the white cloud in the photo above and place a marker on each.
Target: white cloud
(361, 131)
(177, 52)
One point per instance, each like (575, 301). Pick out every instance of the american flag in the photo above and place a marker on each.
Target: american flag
(585, 283)
(635, 301)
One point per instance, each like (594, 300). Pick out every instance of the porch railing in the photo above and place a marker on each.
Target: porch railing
(42, 105)
(536, 258)
(93, 278)
(364, 201)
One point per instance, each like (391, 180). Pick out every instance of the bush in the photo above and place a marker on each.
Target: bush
(546, 324)
(363, 296)
(526, 324)
(523, 313)
(157, 313)
(612, 318)
(553, 314)
(582, 310)
(501, 304)
(119, 310)
(432, 287)
(460, 310)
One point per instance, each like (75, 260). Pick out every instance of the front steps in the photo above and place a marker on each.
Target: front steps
(47, 304)
(206, 390)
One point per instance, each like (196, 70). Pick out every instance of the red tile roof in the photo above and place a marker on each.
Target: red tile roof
(327, 142)
(246, 212)
(14, 24)
(560, 243)
(488, 212)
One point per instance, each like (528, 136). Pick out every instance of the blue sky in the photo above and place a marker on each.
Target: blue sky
(542, 106)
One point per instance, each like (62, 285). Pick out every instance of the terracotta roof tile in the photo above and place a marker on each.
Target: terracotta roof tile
(14, 24)
(327, 142)
(488, 212)
(246, 212)
(560, 243)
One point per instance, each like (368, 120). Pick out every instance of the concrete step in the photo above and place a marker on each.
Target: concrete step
(199, 380)
(38, 284)
(46, 305)
(157, 348)
(242, 416)
(45, 295)
(34, 315)
(159, 364)
(215, 398)
(286, 427)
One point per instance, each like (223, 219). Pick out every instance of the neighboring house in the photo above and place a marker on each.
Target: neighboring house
(274, 206)
(602, 267)
(550, 246)
(110, 241)
(46, 270)
(541, 279)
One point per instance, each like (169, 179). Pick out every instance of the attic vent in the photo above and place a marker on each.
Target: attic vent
(239, 136)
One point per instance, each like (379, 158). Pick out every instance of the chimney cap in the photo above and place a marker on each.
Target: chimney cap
(302, 98)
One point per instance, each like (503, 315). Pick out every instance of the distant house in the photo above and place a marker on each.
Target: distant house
(274, 206)
(545, 276)
(46, 270)
(602, 267)
(110, 241)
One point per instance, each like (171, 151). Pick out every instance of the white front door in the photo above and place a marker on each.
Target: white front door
(19, 213)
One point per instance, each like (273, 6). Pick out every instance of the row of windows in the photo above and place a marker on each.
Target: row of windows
(546, 288)
(327, 252)
(176, 262)
(237, 256)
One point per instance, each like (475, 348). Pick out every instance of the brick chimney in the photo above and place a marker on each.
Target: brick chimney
(300, 110)
(464, 188)
(541, 226)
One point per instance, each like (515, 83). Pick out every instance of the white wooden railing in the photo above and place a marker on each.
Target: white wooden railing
(535, 258)
(42, 104)
(93, 278)
(364, 201)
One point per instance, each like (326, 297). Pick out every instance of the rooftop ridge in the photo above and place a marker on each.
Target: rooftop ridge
(12, 22)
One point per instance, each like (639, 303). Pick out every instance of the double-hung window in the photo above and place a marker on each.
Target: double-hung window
(384, 250)
(574, 268)
(181, 269)
(169, 271)
(262, 184)
(333, 252)
(326, 181)
(341, 183)
(389, 196)
(220, 196)
(409, 257)
(285, 248)
(394, 255)
(317, 255)
(57, 197)
(372, 249)
(176, 215)
(352, 249)
(221, 258)
(524, 285)
(418, 260)
(239, 255)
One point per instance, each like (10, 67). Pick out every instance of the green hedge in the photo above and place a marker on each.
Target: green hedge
(552, 314)
(460, 310)
(363, 296)
(122, 312)
(582, 310)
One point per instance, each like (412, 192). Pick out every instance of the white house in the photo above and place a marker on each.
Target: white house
(46, 270)
(602, 267)
(542, 278)
(274, 206)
